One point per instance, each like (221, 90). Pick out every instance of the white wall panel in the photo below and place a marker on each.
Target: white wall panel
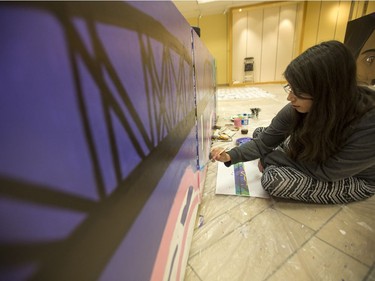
(269, 46)
(254, 41)
(328, 20)
(239, 46)
(269, 35)
(286, 39)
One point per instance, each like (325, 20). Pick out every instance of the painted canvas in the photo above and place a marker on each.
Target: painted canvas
(98, 165)
(204, 68)
(241, 179)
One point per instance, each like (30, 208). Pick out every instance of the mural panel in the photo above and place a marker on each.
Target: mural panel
(204, 67)
(98, 165)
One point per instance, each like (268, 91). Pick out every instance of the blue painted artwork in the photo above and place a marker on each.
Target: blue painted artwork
(99, 145)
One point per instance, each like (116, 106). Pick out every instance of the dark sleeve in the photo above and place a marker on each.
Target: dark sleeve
(356, 156)
(273, 136)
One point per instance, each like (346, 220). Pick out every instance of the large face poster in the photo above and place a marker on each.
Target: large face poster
(360, 38)
(98, 147)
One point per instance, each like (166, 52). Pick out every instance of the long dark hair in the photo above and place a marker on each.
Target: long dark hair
(327, 72)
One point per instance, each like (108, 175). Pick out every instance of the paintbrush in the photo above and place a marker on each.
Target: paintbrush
(210, 159)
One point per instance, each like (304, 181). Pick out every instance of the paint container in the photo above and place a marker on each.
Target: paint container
(245, 121)
(242, 140)
(237, 122)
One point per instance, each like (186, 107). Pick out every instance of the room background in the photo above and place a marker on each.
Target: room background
(310, 23)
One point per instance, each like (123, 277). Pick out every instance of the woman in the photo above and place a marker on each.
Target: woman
(321, 146)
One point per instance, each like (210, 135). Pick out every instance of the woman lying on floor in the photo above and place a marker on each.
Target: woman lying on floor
(321, 146)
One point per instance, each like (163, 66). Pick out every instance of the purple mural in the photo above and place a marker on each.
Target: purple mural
(98, 150)
(204, 67)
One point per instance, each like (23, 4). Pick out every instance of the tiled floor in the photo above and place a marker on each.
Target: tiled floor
(238, 238)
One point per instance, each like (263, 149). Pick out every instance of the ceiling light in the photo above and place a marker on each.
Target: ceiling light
(205, 1)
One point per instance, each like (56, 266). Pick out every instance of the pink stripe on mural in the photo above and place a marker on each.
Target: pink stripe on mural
(182, 252)
(188, 179)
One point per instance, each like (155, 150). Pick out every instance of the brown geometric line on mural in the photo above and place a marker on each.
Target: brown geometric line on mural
(208, 75)
(96, 239)
(13, 254)
(20, 254)
(110, 104)
(164, 111)
(109, 101)
(113, 13)
(120, 207)
(203, 100)
(155, 90)
(44, 195)
(163, 97)
(93, 234)
(185, 86)
(203, 103)
(143, 24)
(83, 111)
(149, 77)
(205, 94)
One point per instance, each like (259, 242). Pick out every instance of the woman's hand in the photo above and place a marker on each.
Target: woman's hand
(219, 154)
(260, 166)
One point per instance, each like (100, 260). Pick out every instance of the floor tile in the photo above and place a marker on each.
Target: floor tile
(371, 275)
(352, 231)
(210, 180)
(311, 215)
(317, 260)
(239, 238)
(211, 232)
(249, 208)
(253, 251)
(190, 275)
(214, 205)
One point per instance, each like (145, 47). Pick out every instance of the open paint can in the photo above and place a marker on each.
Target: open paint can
(242, 140)
(237, 122)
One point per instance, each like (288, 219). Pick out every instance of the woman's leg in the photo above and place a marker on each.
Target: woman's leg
(289, 183)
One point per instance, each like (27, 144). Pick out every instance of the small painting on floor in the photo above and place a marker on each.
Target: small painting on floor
(241, 179)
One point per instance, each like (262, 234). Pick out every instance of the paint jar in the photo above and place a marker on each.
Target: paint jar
(245, 121)
(237, 122)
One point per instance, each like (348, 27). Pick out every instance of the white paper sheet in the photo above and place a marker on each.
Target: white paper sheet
(226, 180)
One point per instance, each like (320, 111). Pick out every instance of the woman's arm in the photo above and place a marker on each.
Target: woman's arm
(273, 136)
(356, 158)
